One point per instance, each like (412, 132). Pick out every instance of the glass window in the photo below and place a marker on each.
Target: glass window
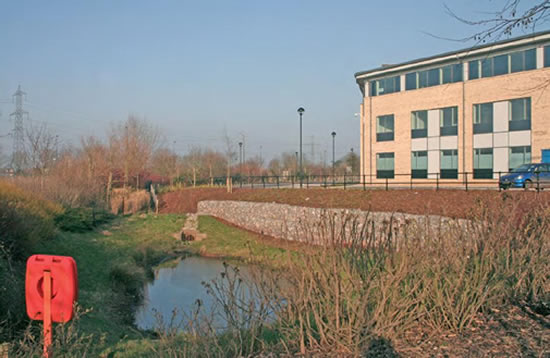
(517, 61)
(385, 86)
(523, 60)
(449, 159)
(487, 67)
(520, 109)
(447, 74)
(451, 73)
(483, 118)
(419, 124)
(384, 128)
(422, 79)
(530, 59)
(520, 114)
(473, 70)
(419, 164)
(547, 56)
(419, 119)
(434, 77)
(449, 164)
(385, 165)
(483, 163)
(519, 156)
(448, 121)
(410, 81)
(500, 65)
(457, 72)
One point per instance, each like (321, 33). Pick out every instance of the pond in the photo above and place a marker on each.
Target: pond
(178, 288)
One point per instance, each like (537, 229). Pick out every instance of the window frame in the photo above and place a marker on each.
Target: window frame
(524, 153)
(451, 130)
(385, 173)
(419, 132)
(386, 135)
(393, 83)
(419, 173)
(448, 173)
(519, 124)
(483, 173)
(474, 70)
(479, 126)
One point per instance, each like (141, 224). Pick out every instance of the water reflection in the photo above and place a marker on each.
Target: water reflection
(178, 288)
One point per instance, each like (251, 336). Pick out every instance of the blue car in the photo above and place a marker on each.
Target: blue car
(527, 176)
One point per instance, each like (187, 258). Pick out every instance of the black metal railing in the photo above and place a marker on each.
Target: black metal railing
(446, 179)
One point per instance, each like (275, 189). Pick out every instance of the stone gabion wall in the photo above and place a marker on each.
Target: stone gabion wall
(299, 223)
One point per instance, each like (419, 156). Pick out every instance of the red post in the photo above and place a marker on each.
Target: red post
(47, 285)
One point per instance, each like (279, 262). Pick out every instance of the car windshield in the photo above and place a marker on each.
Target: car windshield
(525, 168)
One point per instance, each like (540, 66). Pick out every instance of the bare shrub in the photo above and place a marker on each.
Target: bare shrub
(367, 281)
(67, 340)
(129, 202)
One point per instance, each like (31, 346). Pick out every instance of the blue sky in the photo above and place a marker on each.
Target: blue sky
(193, 68)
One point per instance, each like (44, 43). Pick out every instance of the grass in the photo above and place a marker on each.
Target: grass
(227, 242)
(107, 262)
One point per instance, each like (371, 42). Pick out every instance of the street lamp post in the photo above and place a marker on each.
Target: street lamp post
(333, 137)
(301, 111)
(296, 171)
(241, 159)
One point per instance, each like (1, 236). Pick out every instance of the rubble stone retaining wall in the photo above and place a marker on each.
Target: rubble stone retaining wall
(305, 224)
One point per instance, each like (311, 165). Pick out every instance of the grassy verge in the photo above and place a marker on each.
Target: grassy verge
(228, 242)
(112, 266)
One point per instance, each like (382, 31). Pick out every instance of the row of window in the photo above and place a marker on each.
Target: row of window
(385, 85)
(448, 124)
(487, 67)
(519, 119)
(503, 64)
(519, 116)
(434, 77)
(448, 163)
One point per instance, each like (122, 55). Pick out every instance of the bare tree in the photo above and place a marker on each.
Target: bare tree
(133, 143)
(165, 162)
(510, 16)
(40, 148)
(274, 166)
(97, 157)
(194, 161)
(229, 151)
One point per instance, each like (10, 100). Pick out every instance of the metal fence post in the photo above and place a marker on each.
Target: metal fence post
(263, 181)
(538, 181)
(325, 181)
(278, 182)
(466, 180)
(364, 183)
(436, 181)
(386, 184)
(307, 181)
(499, 187)
(251, 182)
(344, 181)
(411, 181)
(292, 181)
